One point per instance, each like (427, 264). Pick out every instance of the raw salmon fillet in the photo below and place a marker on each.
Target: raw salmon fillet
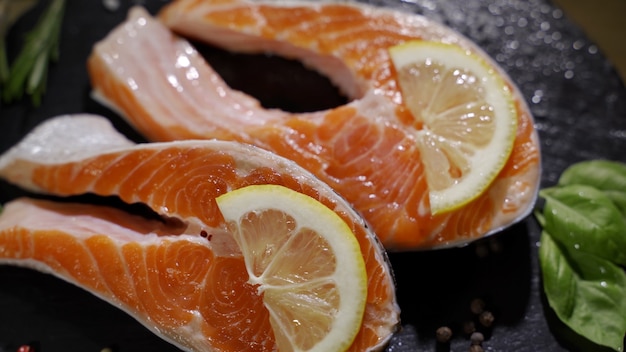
(179, 273)
(365, 150)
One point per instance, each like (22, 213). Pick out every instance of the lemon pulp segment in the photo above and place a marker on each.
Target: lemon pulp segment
(465, 118)
(306, 263)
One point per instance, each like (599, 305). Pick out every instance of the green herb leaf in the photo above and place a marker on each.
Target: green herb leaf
(4, 62)
(582, 246)
(28, 71)
(586, 292)
(583, 218)
(10, 12)
(608, 176)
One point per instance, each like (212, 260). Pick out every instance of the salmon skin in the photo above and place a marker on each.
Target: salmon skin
(179, 273)
(150, 74)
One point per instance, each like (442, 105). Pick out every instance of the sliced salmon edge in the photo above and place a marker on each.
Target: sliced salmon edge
(80, 154)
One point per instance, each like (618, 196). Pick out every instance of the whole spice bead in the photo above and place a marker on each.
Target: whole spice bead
(469, 327)
(477, 338)
(486, 319)
(444, 334)
(476, 348)
(495, 245)
(481, 250)
(477, 306)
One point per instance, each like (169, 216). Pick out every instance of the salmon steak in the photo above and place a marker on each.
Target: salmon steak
(148, 71)
(173, 266)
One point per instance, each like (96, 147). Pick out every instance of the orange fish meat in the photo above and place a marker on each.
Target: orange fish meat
(189, 289)
(145, 70)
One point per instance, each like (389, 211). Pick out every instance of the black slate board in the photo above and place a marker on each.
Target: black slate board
(576, 96)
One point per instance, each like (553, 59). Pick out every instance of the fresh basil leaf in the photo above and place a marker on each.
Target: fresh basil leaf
(605, 175)
(586, 292)
(619, 199)
(584, 218)
(540, 218)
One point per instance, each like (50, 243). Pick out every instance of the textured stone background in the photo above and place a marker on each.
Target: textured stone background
(579, 106)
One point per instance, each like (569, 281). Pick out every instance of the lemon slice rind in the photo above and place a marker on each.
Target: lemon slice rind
(485, 162)
(350, 276)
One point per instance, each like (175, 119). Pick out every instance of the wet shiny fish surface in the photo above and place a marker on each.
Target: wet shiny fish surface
(574, 94)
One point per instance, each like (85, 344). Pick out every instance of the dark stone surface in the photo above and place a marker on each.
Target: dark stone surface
(579, 104)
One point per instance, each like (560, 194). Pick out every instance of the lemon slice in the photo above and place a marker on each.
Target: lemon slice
(306, 262)
(464, 115)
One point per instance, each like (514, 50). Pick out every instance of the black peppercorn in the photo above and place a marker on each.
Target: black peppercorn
(477, 338)
(476, 348)
(477, 306)
(444, 334)
(486, 319)
(481, 250)
(469, 327)
(495, 245)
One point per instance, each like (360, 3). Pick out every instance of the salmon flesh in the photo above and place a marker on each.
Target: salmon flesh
(174, 267)
(147, 71)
